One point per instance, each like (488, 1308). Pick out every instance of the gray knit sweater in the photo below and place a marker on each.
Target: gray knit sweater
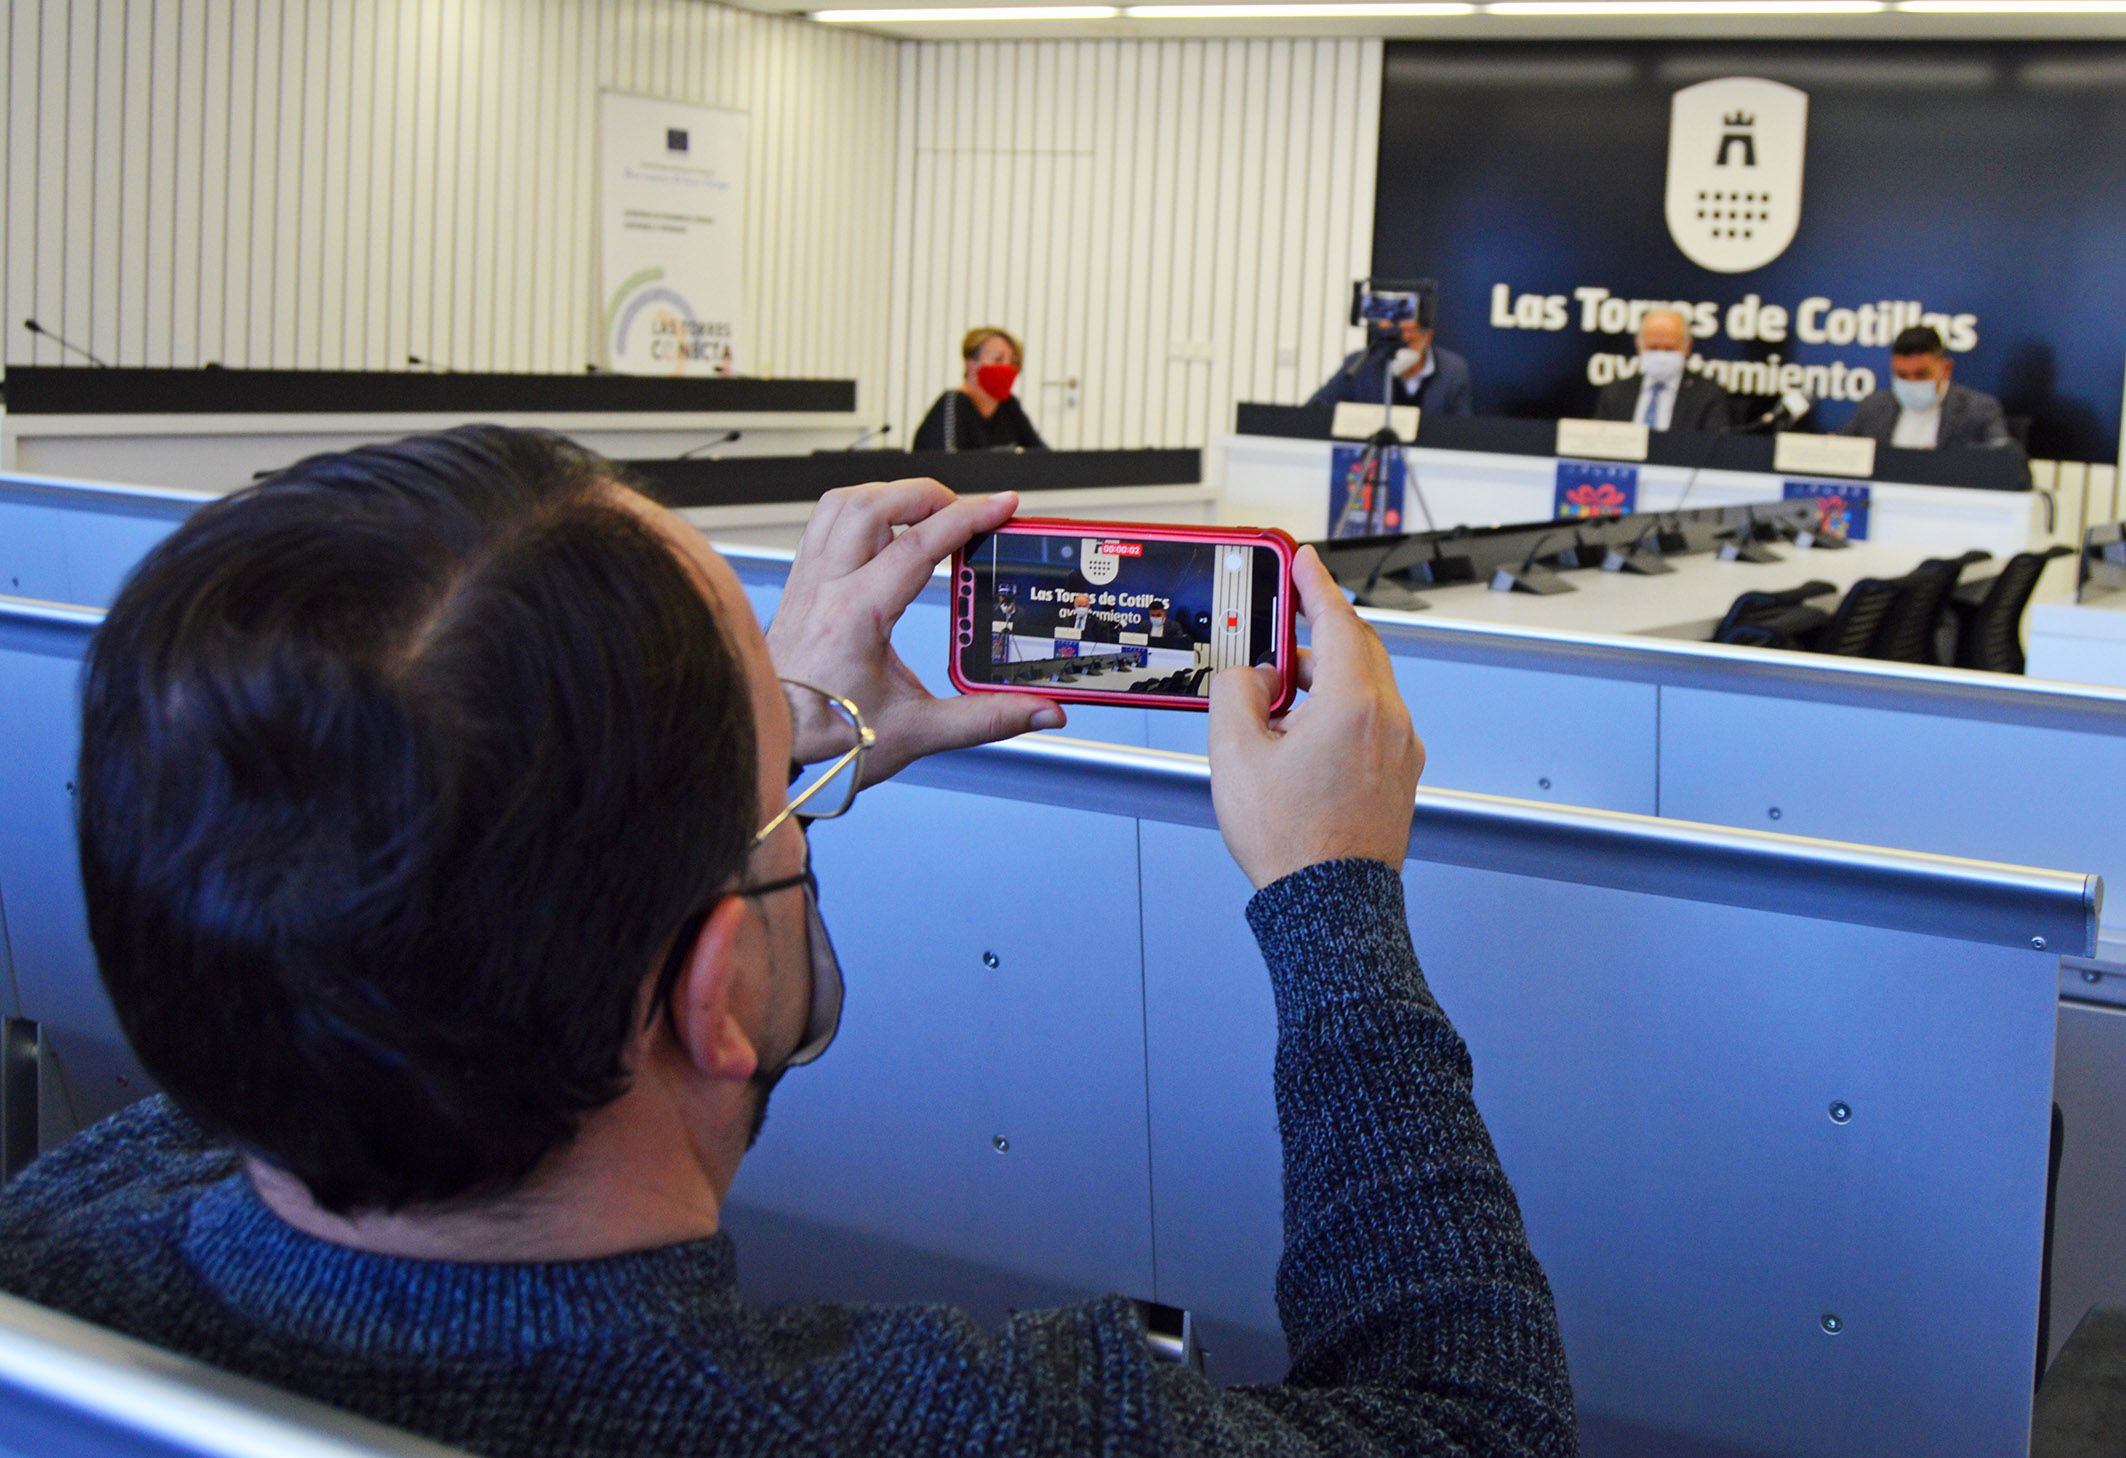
(1418, 1321)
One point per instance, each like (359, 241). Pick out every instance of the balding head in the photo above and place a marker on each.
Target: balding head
(1664, 329)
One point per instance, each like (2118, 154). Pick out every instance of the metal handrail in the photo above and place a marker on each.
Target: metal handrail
(1825, 880)
(115, 1382)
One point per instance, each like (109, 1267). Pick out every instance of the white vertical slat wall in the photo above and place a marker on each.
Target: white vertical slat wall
(344, 183)
(1172, 225)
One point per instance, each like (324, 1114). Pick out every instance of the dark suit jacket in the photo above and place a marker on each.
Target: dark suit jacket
(1700, 403)
(1446, 390)
(1968, 418)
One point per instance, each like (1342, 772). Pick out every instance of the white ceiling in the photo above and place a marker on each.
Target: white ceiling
(1891, 25)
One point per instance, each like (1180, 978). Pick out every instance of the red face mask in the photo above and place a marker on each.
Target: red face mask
(996, 380)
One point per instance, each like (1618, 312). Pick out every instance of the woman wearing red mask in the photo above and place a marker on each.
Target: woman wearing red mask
(983, 413)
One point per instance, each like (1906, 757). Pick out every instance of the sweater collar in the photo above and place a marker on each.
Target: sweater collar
(304, 1288)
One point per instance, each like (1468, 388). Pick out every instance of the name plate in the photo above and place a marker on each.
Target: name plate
(1604, 440)
(1362, 421)
(1823, 455)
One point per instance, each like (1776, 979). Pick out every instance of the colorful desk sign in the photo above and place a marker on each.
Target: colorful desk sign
(1366, 491)
(1605, 440)
(1841, 507)
(1823, 455)
(1590, 488)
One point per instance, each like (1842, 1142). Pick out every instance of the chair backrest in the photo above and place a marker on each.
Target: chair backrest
(1907, 631)
(1752, 606)
(72, 1390)
(1854, 625)
(1992, 637)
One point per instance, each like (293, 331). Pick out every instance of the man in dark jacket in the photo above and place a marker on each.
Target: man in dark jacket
(1435, 380)
(1663, 394)
(440, 863)
(1922, 409)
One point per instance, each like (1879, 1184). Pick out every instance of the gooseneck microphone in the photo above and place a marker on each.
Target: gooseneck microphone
(64, 343)
(709, 445)
(872, 434)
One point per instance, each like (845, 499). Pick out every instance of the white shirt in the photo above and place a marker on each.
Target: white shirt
(1652, 413)
(1413, 383)
(1917, 430)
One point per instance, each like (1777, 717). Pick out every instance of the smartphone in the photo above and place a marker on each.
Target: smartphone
(1093, 612)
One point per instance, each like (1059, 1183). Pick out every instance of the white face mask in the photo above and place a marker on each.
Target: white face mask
(1406, 359)
(1662, 366)
(1916, 394)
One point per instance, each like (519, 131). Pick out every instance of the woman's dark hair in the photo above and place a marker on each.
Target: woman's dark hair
(398, 770)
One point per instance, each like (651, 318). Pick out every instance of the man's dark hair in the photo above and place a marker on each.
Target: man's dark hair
(1919, 339)
(398, 770)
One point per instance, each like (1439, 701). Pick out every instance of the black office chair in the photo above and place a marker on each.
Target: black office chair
(1852, 627)
(1989, 630)
(1773, 619)
(1910, 631)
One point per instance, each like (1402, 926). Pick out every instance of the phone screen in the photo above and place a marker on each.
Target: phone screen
(1117, 614)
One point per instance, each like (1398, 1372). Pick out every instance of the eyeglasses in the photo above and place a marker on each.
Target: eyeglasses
(818, 791)
(834, 725)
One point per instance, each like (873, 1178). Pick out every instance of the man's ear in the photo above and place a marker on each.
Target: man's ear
(703, 1012)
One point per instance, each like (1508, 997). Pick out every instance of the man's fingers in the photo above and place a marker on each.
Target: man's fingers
(1341, 639)
(900, 570)
(1240, 705)
(865, 516)
(971, 719)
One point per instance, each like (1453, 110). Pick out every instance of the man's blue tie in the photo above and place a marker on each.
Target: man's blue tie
(1653, 401)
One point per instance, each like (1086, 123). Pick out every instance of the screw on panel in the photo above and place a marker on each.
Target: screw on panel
(1776, 812)
(990, 960)
(1831, 1324)
(2037, 944)
(1544, 782)
(2091, 975)
(1840, 1112)
(1001, 1144)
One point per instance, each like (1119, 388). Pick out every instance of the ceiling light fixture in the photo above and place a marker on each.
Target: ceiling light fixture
(1604, 9)
(2014, 7)
(965, 13)
(1329, 11)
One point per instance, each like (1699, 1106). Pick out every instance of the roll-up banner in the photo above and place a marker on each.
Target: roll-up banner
(672, 196)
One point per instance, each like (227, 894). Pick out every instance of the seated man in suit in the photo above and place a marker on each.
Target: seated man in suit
(1431, 378)
(1662, 395)
(1922, 410)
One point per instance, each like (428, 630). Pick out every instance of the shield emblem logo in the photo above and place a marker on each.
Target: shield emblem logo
(1735, 148)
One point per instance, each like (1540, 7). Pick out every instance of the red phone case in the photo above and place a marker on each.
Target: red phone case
(1279, 542)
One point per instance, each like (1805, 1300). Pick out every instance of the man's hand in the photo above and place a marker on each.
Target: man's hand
(1334, 777)
(852, 580)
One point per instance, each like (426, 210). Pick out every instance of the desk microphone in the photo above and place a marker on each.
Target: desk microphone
(709, 445)
(1530, 577)
(872, 434)
(1636, 558)
(1787, 411)
(38, 329)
